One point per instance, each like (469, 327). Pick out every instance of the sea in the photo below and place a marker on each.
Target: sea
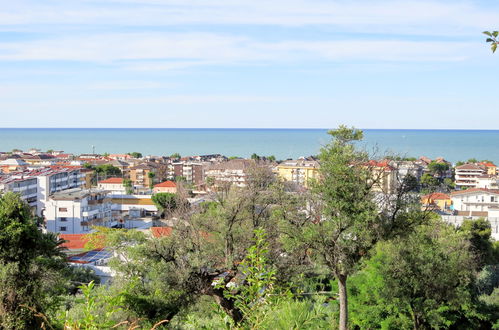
(453, 145)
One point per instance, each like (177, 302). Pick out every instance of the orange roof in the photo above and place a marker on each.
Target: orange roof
(74, 241)
(161, 231)
(166, 184)
(436, 196)
(112, 180)
(487, 164)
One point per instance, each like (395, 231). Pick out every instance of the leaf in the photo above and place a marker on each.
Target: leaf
(494, 47)
(489, 40)
(487, 33)
(495, 33)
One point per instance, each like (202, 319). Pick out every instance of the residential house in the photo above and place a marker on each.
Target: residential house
(12, 165)
(165, 187)
(437, 200)
(113, 185)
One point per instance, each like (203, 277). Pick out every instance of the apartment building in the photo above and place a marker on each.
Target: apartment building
(466, 175)
(232, 172)
(25, 186)
(12, 165)
(140, 175)
(52, 180)
(476, 202)
(192, 172)
(299, 171)
(75, 211)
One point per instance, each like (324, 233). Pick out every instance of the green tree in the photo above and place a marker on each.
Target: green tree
(165, 202)
(479, 232)
(135, 154)
(425, 279)
(271, 158)
(127, 183)
(429, 182)
(30, 266)
(255, 157)
(151, 176)
(175, 155)
(438, 169)
(106, 170)
(349, 220)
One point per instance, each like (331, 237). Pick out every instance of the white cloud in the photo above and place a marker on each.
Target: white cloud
(388, 16)
(172, 51)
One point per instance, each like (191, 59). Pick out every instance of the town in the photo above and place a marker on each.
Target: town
(72, 193)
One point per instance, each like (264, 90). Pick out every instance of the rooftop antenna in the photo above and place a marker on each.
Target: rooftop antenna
(93, 150)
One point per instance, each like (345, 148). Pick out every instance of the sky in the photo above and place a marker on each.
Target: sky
(248, 63)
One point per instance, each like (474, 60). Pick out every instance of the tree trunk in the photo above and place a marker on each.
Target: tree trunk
(342, 286)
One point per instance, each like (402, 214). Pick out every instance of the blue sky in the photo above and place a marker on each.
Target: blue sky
(248, 63)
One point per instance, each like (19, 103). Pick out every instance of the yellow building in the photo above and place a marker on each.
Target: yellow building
(298, 171)
(440, 200)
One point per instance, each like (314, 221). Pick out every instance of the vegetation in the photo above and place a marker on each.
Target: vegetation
(492, 39)
(348, 253)
(135, 154)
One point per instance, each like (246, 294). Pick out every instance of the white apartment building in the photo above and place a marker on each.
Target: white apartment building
(467, 175)
(75, 211)
(232, 172)
(52, 180)
(476, 202)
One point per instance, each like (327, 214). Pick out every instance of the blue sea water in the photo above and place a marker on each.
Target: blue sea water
(453, 145)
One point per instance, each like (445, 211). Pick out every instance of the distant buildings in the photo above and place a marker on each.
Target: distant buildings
(113, 185)
(466, 175)
(165, 187)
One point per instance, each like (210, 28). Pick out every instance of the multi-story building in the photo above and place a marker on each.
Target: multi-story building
(25, 186)
(299, 171)
(233, 172)
(52, 180)
(192, 172)
(466, 175)
(140, 175)
(75, 211)
(476, 201)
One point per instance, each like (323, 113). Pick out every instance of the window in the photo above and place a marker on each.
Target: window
(63, 209)
(63, 219)
(492, 199)
(62, 228)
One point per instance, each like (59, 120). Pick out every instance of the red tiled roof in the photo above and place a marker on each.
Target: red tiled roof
(469, 167)
(436, 196)
(113, 180)
(74, 241)
(166, 184)
(161, 231)
(487, 164)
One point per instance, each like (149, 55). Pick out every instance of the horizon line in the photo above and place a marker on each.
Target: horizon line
(258, 128)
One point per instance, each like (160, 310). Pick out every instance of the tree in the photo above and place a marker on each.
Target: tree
(429, 182)
(492, 39)
(127, 183)
(427, 277)
(255, 157)
(106, 170)
(135, 154)
(175, 155)
(438, 169)
(30, 266)
(479, 232)
(151, 176)
(165, 202)
(351, 215)
(271, 158)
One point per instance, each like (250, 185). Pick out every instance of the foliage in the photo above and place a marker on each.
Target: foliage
(479, 232)
(423, 281)
(135, 154)
(429, 181)
(251, 292)
(492, 39)
(31, 264)
(127, 183)
(175, 155)
(151, 176)
(165, 202)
